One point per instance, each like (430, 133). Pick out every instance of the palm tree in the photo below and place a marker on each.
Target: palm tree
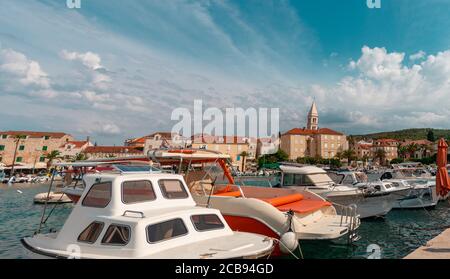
(365, 158)
(412, 148)
(339, 155)
(244, 155)
(380, 154)
(79, 157)
(349, 155)
(402, 151)
(55, 154)
(17, 140)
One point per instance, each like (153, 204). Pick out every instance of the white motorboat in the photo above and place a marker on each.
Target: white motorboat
(51, 198)
(142, 215)
(369, 201)
(269, 211)
(420, 194)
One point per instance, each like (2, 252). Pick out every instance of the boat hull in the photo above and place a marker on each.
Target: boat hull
(366, 206)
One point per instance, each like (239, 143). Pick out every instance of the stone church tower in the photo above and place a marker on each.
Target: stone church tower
(313, 118)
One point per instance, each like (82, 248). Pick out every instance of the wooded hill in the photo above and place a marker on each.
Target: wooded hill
(413, 134)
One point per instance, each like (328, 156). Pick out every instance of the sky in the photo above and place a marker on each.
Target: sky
(116, 69)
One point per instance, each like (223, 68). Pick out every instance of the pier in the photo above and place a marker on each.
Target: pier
(437, 248)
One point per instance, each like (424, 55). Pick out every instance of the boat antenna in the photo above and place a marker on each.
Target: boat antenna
(213, 185)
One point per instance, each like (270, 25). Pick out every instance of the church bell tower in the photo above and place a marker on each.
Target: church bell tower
(313, 118)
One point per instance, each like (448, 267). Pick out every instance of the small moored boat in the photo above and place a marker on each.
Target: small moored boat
(142, 215)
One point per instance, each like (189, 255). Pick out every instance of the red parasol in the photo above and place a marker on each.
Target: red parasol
(442, 179)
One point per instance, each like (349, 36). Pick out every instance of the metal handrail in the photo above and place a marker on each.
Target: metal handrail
(132, 211)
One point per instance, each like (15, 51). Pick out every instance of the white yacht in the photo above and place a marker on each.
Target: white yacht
(420, 194)
(143, 215)
(369, 201)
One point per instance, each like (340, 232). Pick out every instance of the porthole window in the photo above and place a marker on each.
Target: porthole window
(117, 235)
(91, 233)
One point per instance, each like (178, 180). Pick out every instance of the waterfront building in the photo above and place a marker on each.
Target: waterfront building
(70, 150)
(424, 149)
(158, 140)
(234, 146)
(106, 152)
(32, 148)
(390, 148)
(313, 141)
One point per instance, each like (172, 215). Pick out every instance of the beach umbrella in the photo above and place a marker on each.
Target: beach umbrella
(442, 179)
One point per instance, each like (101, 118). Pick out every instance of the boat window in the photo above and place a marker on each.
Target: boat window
(207, 222)
(137, 191)
(348, 180)
(291, 179)
(117, 235)
(99, 195)
(173, 189)
(91, 233)
(337, 178)
(166, 230)
(388, 186)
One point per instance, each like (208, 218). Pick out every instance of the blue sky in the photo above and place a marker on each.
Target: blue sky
(116, 69)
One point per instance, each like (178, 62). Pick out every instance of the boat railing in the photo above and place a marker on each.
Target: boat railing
(349, 216)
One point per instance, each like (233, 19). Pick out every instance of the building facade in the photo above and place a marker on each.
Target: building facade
(236, 147)
(389, 148)
(109, 152)
(71, 149)
(313, 141)
(32, 147)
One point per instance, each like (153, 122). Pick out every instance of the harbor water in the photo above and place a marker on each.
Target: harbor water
(396, 235)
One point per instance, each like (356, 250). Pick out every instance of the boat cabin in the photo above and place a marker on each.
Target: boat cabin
(132, 214)
(310, 176)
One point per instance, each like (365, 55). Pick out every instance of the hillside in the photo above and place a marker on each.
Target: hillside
(414, 134)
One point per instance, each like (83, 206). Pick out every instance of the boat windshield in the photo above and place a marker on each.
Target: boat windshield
(318, 179)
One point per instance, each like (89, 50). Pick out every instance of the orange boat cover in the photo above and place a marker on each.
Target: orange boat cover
(279, 201)
(236, 194)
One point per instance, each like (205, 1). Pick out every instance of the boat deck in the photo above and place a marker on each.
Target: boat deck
(437, 248)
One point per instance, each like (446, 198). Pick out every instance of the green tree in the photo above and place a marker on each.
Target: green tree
(411, 149)
(279, 156)
(79, 157)
(349, 155)
(380, 154)
(55, 154)
(402, 151)
(430, 136)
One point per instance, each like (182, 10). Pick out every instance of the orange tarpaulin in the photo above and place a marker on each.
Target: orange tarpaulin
(442, 179)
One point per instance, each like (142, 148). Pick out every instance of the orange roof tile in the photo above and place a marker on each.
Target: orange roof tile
(322, 131)
(35, 134)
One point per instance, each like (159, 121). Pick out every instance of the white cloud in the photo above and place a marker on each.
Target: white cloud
(390, 94)
(89, 59)
(18, 67)
(417, 56)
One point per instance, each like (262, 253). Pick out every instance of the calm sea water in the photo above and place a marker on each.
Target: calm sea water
(19, 217)
(397, 235)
